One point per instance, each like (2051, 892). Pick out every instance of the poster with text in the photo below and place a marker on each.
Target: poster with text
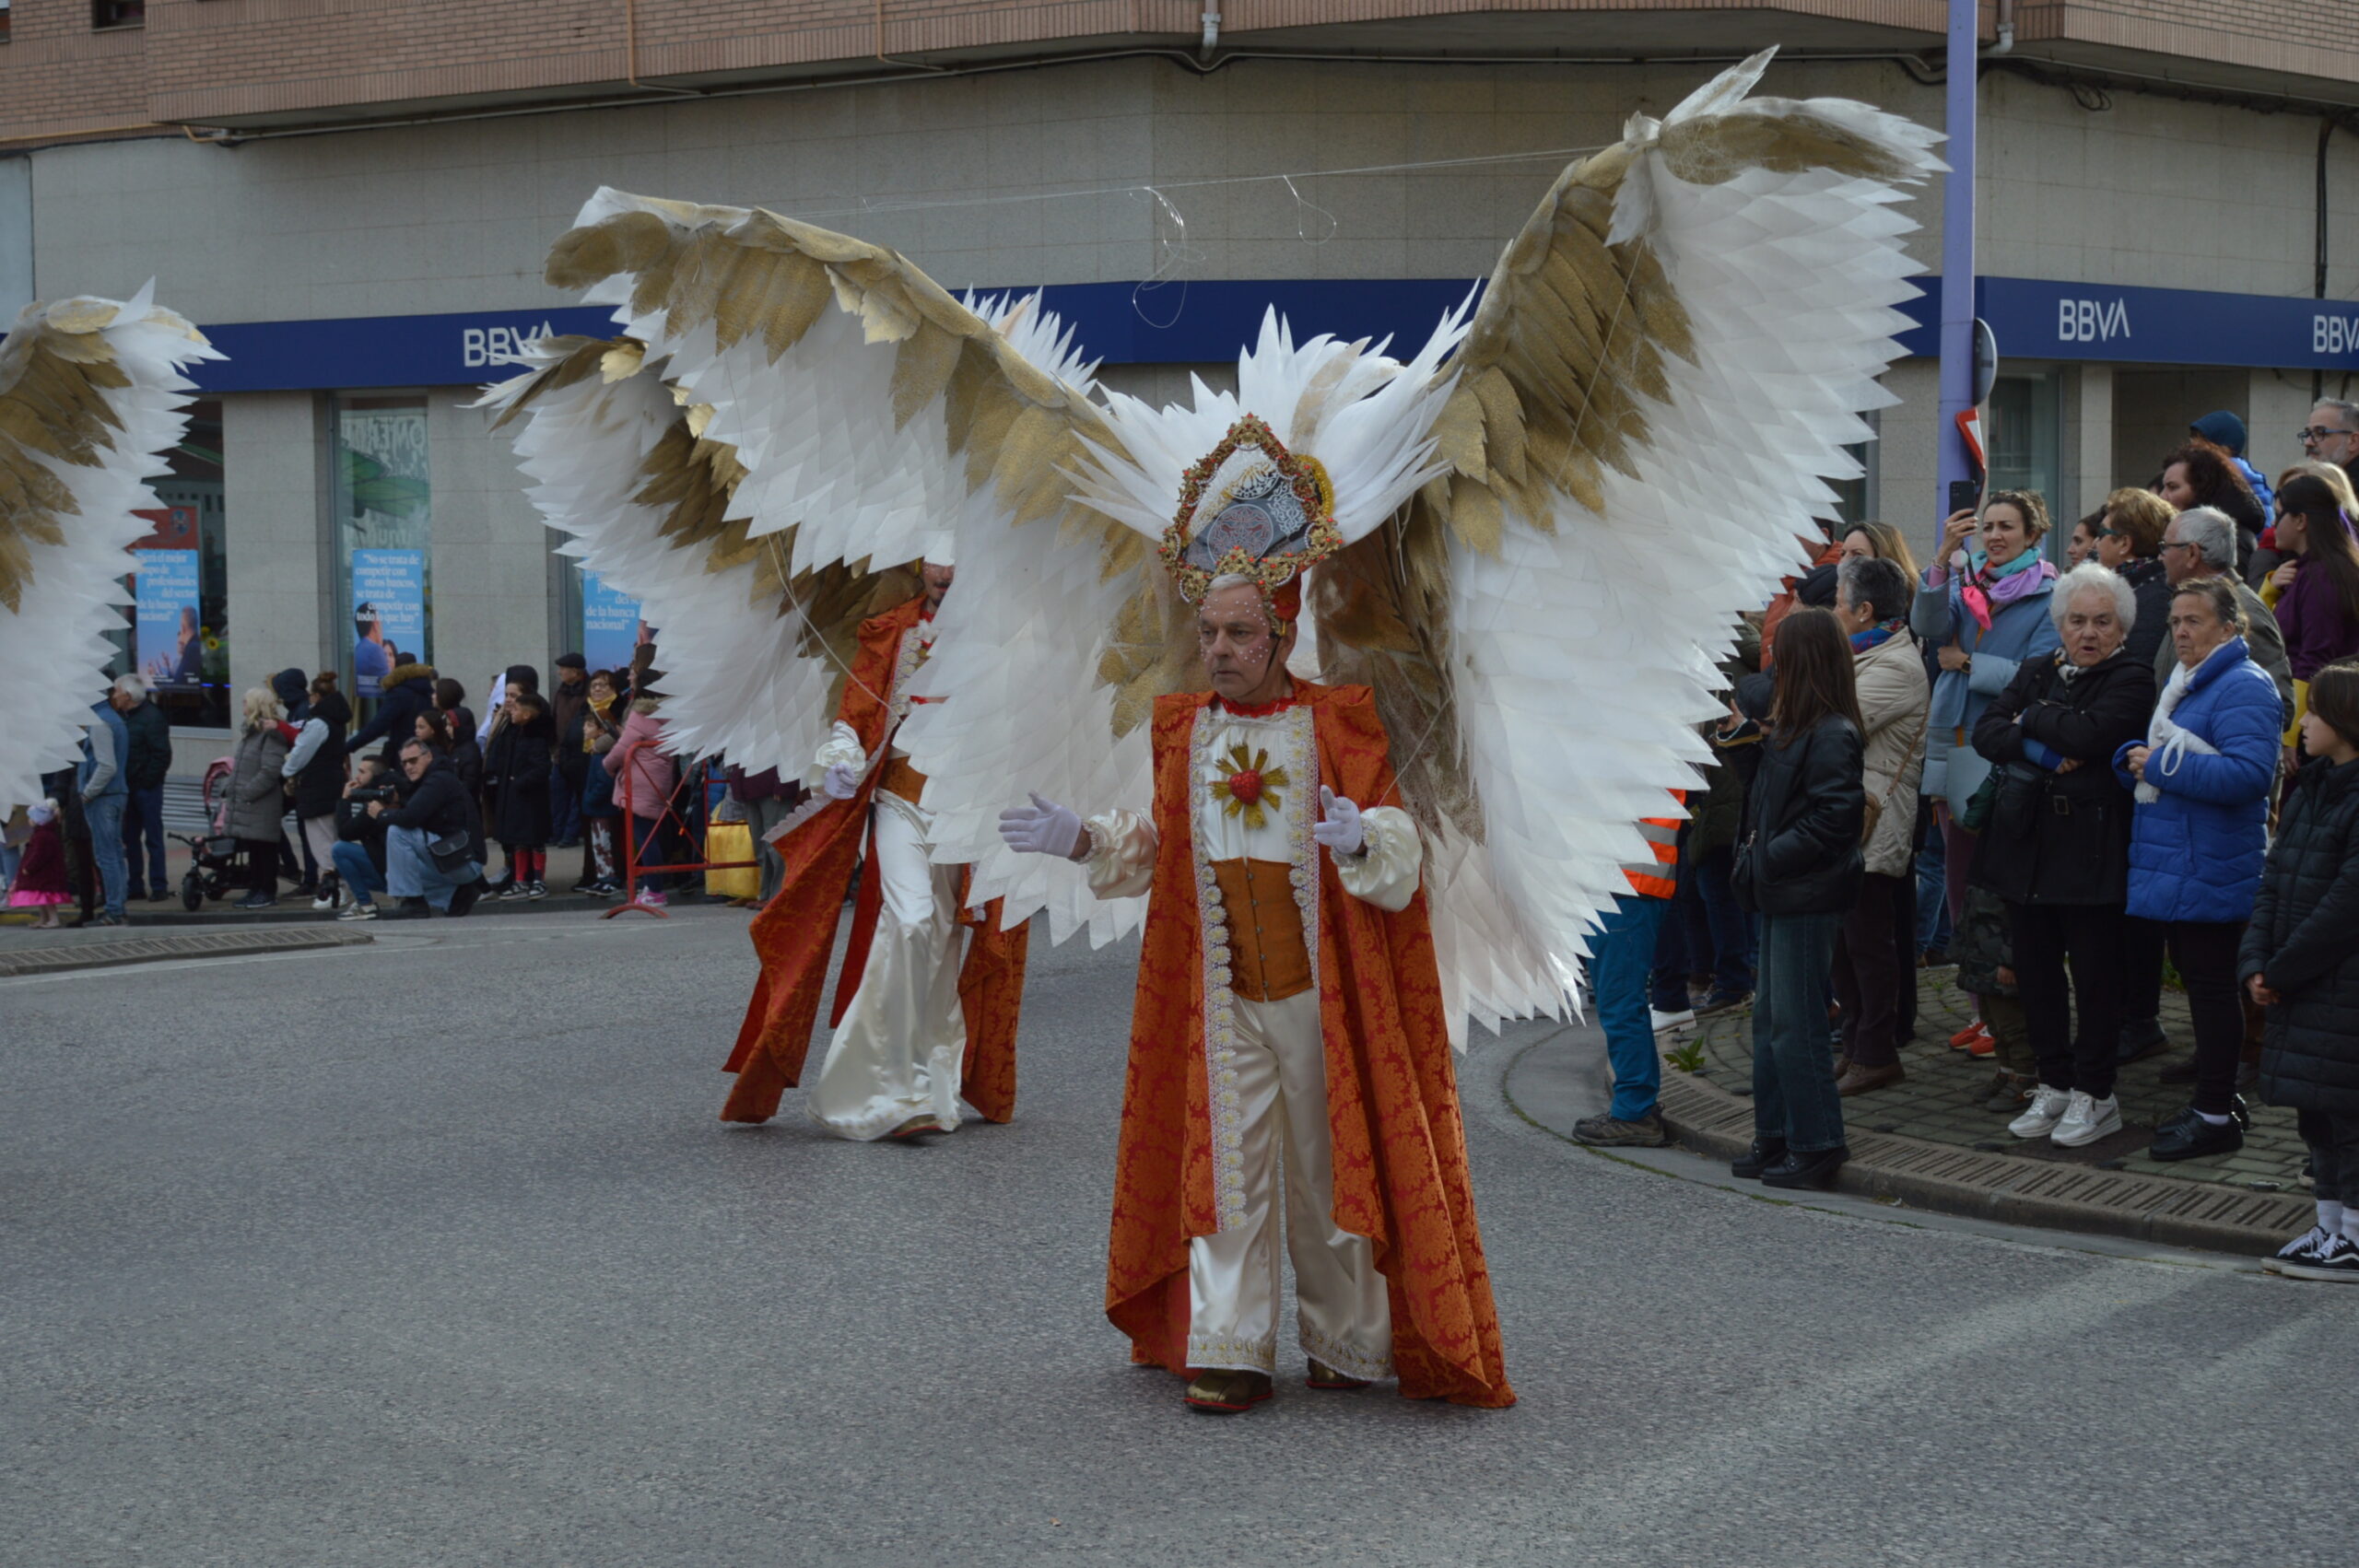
(171, 643)
(610, 626)
(388, 614)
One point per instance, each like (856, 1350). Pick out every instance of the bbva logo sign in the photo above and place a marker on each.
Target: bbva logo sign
(2092, 321)
(479, 346)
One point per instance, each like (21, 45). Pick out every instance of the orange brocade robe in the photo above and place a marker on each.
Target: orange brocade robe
(1399, 1148)
(795, 932)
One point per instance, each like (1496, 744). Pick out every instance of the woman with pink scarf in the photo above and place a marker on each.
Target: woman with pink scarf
(1984, 605)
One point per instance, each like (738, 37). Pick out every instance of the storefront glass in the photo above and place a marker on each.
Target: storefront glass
(383, 522)
(180, 634)
(2024, 442)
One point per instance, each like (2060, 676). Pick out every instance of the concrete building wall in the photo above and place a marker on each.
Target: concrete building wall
(280, 590)
(1154, 172)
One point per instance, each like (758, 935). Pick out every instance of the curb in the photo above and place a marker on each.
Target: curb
(150, 950)
(1946, 1179)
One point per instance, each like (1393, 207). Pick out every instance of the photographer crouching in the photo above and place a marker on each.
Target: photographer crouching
(433, 845)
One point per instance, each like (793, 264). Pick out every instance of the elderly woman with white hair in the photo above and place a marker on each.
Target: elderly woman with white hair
(2055, 846)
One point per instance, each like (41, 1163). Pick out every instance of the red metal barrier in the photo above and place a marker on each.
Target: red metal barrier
(630, 839)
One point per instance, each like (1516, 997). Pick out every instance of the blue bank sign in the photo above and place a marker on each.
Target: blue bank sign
(2037, 320)
(1208, 321)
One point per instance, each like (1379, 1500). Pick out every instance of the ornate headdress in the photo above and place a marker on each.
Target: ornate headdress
(1251, 508)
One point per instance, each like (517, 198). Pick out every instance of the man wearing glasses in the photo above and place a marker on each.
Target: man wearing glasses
(437, 809)
(2333, 435)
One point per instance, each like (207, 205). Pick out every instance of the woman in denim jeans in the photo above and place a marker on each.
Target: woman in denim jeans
(1800, 865)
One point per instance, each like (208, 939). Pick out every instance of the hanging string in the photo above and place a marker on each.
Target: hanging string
(868, 206)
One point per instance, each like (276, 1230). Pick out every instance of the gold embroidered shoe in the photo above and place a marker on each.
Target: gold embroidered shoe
(1227, 1391)
(916, 1126)
(1325, 1376)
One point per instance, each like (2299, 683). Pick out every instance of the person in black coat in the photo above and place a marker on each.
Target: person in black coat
(1800, 865)
(516, 783)
(2300, 961)
(408, 691)
(2057, 846)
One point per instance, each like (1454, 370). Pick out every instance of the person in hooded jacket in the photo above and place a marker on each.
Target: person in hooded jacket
(2202, 776)
(516, 783)
(408, 691)
(1800, 866)
(2057, 846)
(2298, 961)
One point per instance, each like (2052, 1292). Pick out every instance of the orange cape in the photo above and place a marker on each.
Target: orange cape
(795, 932)
(1399, 1148)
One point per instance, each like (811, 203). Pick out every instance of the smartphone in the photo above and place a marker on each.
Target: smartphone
(1964, 494)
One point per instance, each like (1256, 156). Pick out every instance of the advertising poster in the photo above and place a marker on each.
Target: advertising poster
(610, 624)
(170, 642)
(387, 613)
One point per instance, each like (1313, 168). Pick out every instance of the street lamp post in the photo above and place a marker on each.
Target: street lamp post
(1958, 255)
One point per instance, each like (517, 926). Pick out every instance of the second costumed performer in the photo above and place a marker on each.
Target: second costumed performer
(917, 1026)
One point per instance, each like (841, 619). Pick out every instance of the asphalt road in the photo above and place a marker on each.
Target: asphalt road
(434, 1253)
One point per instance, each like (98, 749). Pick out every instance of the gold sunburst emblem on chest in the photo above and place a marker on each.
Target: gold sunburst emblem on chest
(1250, 790)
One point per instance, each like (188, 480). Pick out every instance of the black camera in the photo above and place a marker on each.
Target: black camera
(373, 792)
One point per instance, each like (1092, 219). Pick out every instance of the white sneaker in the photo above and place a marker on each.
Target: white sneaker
(2086, 1120)
(2046, 1110)
(1666, 1022)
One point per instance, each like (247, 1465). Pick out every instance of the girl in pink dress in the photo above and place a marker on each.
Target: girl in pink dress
(40, 876)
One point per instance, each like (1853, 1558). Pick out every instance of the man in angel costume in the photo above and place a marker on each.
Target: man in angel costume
(915, 1027)
(1519, 554)
(91, 393)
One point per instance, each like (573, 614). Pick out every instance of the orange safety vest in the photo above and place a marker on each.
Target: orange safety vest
(1659, 878)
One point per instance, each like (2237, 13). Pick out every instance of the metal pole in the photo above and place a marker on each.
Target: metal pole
(1957, 253)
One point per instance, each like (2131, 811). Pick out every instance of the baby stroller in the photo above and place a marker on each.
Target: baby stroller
(218, 867)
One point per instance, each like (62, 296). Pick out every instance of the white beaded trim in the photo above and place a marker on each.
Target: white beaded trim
(1344, 1358)
(1207, 1353)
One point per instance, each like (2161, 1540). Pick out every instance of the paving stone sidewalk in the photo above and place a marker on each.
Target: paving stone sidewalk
(1941, 1101)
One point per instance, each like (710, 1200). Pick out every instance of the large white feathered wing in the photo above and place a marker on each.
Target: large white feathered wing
(792, 419)
(1661, 380)
(91, 393)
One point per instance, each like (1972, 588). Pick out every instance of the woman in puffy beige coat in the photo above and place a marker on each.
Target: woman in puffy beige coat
(1871, 963)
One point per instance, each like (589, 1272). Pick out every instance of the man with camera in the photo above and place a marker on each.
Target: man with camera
(433, 838)
(360, 850)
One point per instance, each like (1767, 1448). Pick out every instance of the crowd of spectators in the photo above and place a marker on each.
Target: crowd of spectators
(2070, 777)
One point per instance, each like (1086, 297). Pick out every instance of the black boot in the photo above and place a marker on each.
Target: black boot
(1766, 1152)
(1817, 1168)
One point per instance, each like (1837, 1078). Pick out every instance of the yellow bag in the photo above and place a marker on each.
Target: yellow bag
(732, 841)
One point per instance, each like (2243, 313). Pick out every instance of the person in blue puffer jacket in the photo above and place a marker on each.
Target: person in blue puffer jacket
(1983, 607)
(2198, 838)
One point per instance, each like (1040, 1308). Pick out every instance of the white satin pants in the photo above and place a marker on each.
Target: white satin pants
(898, 1051)
(1343, 1317)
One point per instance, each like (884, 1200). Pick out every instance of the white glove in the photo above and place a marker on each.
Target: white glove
(1043, 828)
(842, 781)
(1338, 826)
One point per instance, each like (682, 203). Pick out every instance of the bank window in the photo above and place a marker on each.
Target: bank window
(383, 519)
(2024, 437)
(180, 631)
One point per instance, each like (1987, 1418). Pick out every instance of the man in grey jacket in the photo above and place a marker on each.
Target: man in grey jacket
(2202, 542)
